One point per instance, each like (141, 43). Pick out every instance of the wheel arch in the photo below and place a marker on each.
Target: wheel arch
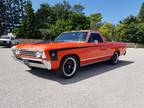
(75, 55)
(117, 52)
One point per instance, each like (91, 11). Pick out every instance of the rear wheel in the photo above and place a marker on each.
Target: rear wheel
(115, 58)
(68, 67)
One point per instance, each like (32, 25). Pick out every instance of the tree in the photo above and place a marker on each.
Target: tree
(2, 16)
(141, 13)
(78, 21)
(95, 20)
(130, 19)
(118, 32)
(60, 26)
(133, 33)
(13, 14)
(131, 29)
(78, 8)
(28, 27)
(107, 30)
(67, 5)
(61, 10)
(75, 21)
(44, 16)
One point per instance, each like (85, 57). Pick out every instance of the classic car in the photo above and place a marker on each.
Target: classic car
(8, 40)
(69, 51)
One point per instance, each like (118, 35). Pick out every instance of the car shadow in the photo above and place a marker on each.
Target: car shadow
(82, 74)
(5, 47)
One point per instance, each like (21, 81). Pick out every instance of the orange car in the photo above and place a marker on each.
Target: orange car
(70, 51)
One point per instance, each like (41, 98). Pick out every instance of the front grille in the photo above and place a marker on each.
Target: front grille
(4, 42)
(25, 52)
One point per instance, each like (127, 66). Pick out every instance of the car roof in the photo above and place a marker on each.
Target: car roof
(95, 31)
(6, 36)
(89, 31)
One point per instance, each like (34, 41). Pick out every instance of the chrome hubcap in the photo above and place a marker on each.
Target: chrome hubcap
(115, 58)
(69, 66)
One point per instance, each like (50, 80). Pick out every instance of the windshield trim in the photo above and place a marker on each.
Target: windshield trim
(71, 40)
(5, 37)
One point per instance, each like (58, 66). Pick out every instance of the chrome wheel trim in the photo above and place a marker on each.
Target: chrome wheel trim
(74, 69)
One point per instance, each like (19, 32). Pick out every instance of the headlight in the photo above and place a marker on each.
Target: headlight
(17, 51)
(38, 54)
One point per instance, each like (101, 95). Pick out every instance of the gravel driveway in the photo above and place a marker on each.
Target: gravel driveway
(96, 86)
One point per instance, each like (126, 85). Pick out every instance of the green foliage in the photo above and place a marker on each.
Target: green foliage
(75, 21)
(2, 11)
(95, 20)
(60, 26)
(28, 27)
(44, 16)
(11, 14)
(131, 29)
(134, 32)
(78, 21)
(61, 10)
(141, 13)
(118, 32)
(106, 30)
(50, 20)
(78, 8)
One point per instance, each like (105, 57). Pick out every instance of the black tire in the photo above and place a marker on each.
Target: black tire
(115, 58)
(17, 43)
(68, 67)
(10, 45)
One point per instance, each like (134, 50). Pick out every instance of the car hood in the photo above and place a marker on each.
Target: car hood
(4, 39)
(50, 46)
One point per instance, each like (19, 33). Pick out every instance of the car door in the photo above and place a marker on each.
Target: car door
(99, 50)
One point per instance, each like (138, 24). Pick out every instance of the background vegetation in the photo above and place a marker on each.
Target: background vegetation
(49, 21)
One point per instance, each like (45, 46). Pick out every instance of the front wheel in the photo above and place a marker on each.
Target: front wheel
(68, 67)
(10, 45)
(115, 58)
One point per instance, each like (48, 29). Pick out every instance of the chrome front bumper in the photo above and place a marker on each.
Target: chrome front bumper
(37, 63)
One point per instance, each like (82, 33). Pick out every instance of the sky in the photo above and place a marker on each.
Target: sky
(112, 10)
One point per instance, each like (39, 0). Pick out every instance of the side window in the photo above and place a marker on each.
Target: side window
(95, 38)
(12, 38)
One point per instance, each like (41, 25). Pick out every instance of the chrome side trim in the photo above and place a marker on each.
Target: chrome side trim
(95, 58)
(23, 58)
(94, 62)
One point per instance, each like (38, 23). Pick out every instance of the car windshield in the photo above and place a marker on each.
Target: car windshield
(5, 37)
(72, 36)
